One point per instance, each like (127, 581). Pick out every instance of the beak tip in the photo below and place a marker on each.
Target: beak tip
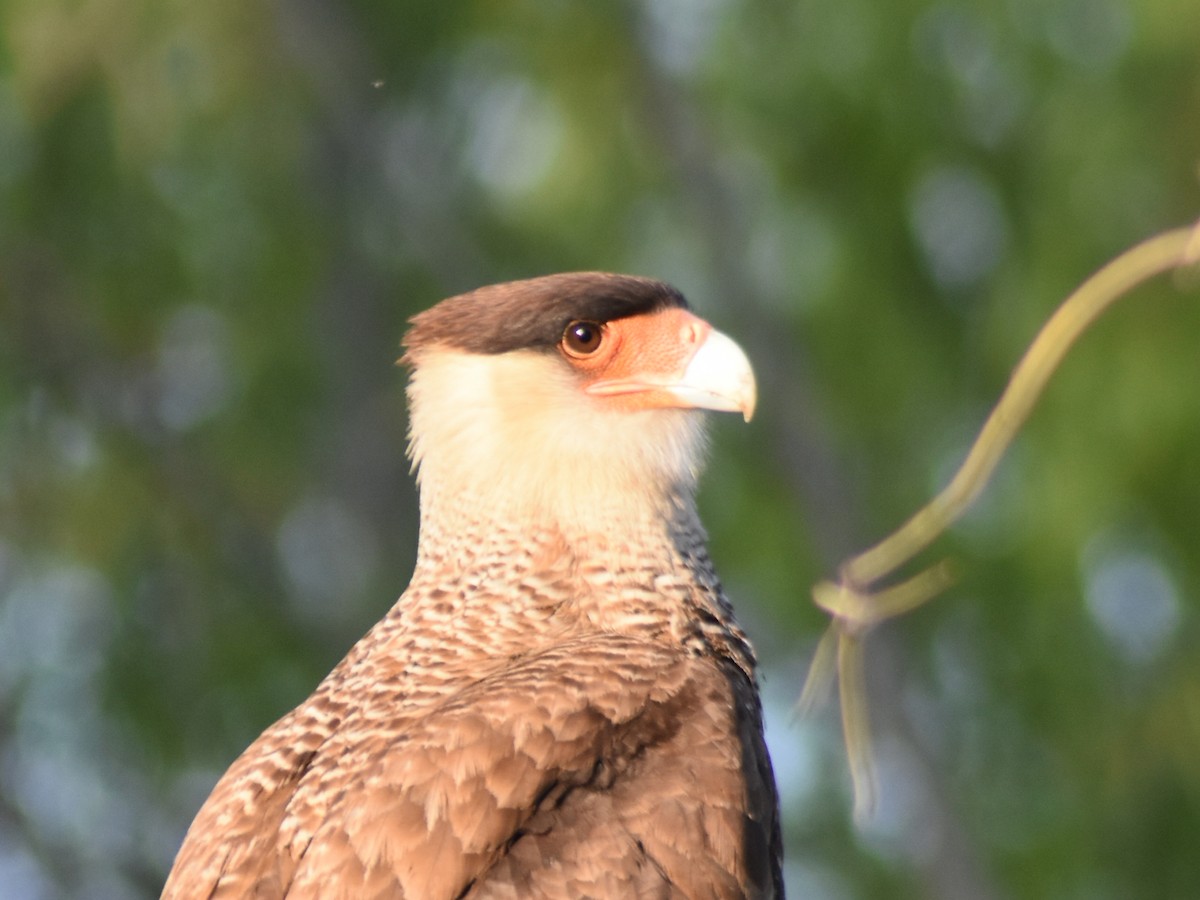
(749, 402)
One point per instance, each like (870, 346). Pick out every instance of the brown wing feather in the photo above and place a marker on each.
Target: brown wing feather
(232, 846)
(671, 822)
(605, 766)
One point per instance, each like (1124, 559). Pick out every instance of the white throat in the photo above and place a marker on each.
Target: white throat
(512, 435)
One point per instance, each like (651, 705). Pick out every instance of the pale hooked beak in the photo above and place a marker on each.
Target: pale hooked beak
(717, 377)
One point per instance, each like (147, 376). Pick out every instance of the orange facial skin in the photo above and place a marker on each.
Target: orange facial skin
(666, 359)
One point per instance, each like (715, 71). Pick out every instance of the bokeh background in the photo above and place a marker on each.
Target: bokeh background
(216, 217)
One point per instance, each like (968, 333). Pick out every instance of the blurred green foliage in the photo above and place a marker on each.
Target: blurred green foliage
(216, 217)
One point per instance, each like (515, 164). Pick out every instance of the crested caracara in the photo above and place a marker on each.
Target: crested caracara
(561, 704)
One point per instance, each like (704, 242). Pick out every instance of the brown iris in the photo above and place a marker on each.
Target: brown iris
(583, 338)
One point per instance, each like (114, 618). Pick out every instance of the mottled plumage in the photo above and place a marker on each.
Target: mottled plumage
(560, 705)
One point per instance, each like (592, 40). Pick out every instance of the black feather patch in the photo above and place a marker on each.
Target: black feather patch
(533, 314)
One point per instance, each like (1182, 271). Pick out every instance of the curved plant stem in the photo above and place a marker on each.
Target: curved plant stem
(854, 604)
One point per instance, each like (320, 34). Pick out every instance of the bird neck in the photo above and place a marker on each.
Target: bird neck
(540, 525)
(638, 568)
(544, 512)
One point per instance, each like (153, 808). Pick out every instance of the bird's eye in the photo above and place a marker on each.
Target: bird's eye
(582, 338)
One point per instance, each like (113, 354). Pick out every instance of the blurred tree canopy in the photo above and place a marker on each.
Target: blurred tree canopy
(216, 217)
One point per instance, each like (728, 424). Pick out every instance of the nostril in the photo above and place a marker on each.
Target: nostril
(693, 333)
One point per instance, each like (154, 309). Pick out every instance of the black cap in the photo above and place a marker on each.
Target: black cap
(534, 313)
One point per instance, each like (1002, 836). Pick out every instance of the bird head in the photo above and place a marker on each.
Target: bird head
(565, 394)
